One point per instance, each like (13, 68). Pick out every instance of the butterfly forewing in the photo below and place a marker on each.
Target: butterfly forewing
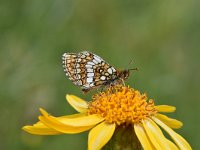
(88, 70)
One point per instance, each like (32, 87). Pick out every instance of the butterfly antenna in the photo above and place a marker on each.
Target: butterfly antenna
(134, 69)
(130, 62)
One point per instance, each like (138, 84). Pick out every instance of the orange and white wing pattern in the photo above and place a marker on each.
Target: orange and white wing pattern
(88, 70)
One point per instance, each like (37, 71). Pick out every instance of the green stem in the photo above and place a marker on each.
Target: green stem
(124, 138)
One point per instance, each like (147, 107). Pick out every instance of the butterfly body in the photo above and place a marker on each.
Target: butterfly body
(89, 71)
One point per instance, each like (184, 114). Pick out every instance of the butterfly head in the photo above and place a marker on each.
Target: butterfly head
(124, 74)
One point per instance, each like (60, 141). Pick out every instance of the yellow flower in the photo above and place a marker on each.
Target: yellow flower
(116, 107)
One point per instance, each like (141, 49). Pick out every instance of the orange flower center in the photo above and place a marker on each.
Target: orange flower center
(122, 105)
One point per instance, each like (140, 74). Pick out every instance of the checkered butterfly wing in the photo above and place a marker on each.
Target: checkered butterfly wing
(88, 70)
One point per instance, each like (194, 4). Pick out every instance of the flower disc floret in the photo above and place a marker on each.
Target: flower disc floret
(122, 105)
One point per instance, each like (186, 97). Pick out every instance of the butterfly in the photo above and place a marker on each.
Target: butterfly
(90, 71)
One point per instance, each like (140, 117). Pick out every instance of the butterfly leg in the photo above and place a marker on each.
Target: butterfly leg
(102, 89)
(85, 91)
(122, 81)
(111, 86)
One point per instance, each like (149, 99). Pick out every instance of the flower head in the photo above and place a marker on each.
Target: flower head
(116, 107)
(122, 105)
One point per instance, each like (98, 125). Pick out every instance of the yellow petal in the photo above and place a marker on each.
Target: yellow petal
(100, 135)
(172, 146)
(40, 130)
(60, 118)
(71, 124)
(155, 134)
(44, 113)
(72, 116)
(77, 103)
(63, 128)
(165, 108)
(82, 121)
(172, 123)
(143, 138)
(179, 140)
(77, 120)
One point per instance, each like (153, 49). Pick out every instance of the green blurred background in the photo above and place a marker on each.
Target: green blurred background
(161, 37)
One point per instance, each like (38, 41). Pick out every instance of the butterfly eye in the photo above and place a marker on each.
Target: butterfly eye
(125, 74)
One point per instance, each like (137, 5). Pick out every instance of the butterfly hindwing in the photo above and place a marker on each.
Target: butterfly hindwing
(87, 70)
